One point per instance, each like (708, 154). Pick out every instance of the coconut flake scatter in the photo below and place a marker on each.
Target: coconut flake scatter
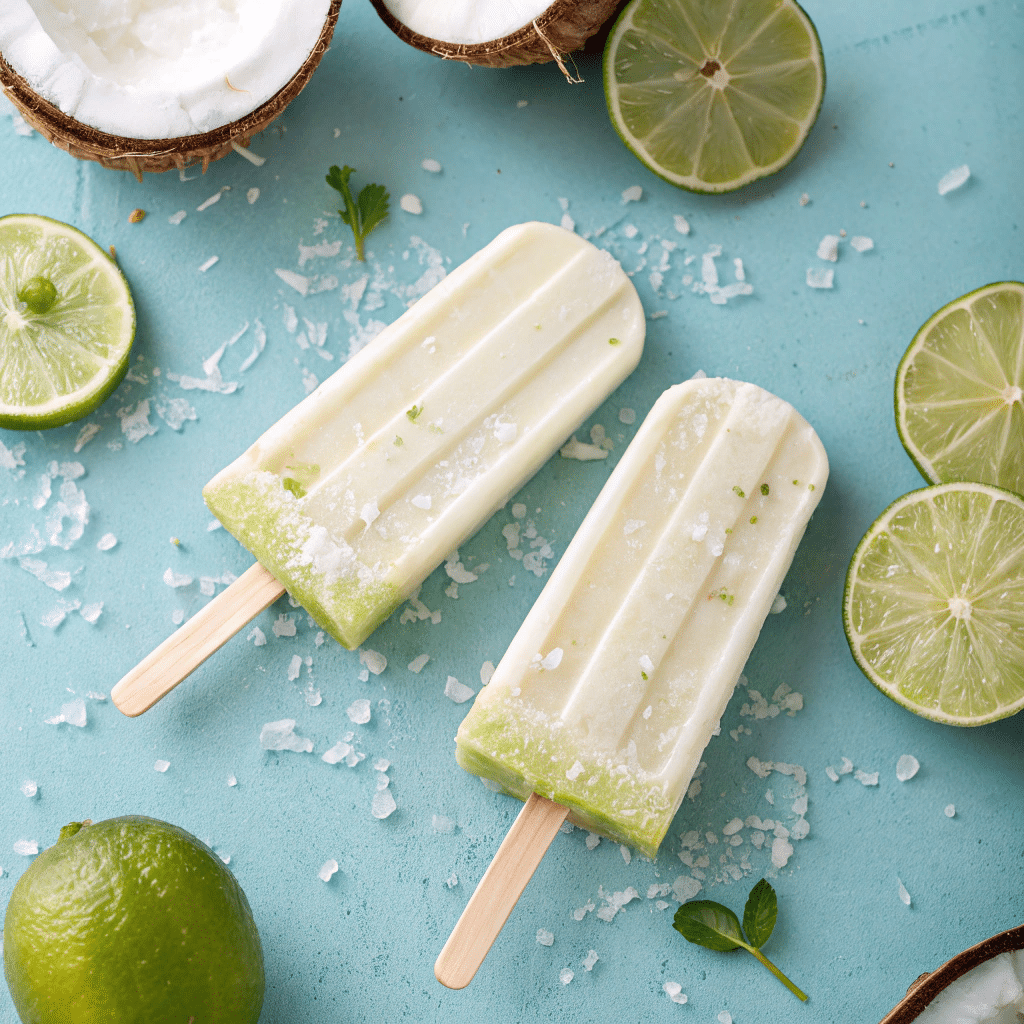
(56, 579)
(580, 450)
(828, 248)
(782, 850)
(591, 958)
(297, 281)
(294, 667)
(457, 692)
(411, 204)
(205, 266)
(544, 937)
(431, 165)
(907, 767)
(383, 804)
(682, 225)
(443, 824)
(820, 277)
(284, 625)
(374, 661)
(862, 243)
(92, 612)
(954, 179)
(725, 1017)
(866, 778)
(281, 736)
(417, 664)
(176, 580)
(177, 218)
(359, 711)
(903, 894)
(29, 788)
(565, 975)
(257, 636)
(252, 195)
(328, 870)
(674, 991)
(633, 194)
(72, 713)
(486, 672)
(256, 161)
(26, 847)
(161, 766)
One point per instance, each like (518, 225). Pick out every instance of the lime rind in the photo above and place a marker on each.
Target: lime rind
(665, 111)
(959, 392)
(933, 606)
(59, 365)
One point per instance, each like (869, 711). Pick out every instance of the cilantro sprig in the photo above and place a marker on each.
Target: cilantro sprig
(713, 926)
(362, 215)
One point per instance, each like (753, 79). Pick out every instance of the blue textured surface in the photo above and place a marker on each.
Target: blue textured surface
(913, 90)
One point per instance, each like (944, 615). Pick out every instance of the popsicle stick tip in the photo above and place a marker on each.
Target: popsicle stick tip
(187, 648)
(498, 891)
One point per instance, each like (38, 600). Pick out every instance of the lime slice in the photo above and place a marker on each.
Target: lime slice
(66, 323)
(960, 390)
(934, 603)
(712, 94)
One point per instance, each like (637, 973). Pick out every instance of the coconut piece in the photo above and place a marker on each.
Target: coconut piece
(498, 34)
(927, 987)
(138, 155)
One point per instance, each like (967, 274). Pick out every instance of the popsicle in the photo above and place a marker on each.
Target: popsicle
(608, 694)
(355, 496)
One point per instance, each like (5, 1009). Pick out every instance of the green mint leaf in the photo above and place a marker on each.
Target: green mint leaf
(760, 913)
(709, 924)
(373, 206)
(414, 412)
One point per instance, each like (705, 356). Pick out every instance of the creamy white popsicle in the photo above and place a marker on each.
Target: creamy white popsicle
(617, 679)
(364, 488)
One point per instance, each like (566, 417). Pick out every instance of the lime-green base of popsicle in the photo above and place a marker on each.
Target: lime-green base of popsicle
(341, 597)
(598, 800)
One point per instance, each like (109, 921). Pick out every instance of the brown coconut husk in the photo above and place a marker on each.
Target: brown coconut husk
(564, 27)
(154, 155)
(928, 986)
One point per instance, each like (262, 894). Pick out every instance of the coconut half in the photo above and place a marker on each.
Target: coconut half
(497, 33)
(925, 991)
(145, 85)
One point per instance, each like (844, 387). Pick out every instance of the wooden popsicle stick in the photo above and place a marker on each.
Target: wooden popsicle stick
(187, 648)
(499, 889)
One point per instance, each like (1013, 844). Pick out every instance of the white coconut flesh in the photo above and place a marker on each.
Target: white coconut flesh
(466, 22)
(158, 69)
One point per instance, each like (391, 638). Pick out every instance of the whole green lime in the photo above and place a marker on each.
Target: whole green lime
(131, 921)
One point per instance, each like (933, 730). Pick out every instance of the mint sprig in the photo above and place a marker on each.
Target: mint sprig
(713, 926)
(362, 215)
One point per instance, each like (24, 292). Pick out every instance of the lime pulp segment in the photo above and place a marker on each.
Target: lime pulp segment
(713, 95)
(934, 603)
(960, 390)
(66, 323)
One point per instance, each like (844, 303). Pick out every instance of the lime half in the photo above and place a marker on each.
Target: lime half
(712, 94)
(66, 323)
(960, 390)
(934, 603)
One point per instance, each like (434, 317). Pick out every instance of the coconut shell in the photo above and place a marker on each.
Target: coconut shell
(563, 27)
(141, 155)
(928, 986)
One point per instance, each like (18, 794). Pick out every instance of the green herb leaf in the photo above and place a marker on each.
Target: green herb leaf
(361, 217)
(414, 412)
(760, 913)
(713, 926)
(373, 206)
(709, 924)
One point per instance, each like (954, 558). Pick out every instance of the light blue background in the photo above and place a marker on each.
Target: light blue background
(914, 89)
